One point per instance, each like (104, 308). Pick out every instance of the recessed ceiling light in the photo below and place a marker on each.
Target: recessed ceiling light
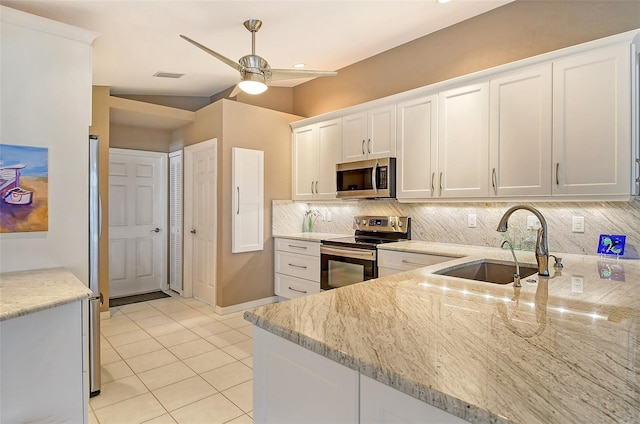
(161, 74)
(444, 1)
(299, 65)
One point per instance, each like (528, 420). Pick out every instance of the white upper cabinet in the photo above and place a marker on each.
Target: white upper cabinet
(520, 133)
(463, 141)
(247, 231)
(592, 123)
(417, 153)
(370, 134)
(316, 151)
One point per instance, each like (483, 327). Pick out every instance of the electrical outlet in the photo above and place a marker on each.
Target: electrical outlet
(327, 216)
(472, 220)
(532, 221)
(577, 224)
(577, 283)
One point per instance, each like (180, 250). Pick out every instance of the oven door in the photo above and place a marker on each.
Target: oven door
(341, 266)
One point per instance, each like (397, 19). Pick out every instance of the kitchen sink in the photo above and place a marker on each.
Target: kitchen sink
(487, 271)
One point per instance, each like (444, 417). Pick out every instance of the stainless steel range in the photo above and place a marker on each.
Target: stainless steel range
(350, 260)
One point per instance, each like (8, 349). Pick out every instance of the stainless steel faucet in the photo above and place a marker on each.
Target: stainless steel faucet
(516, 276)
(542, 243)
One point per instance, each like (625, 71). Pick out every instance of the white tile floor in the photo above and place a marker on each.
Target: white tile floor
(174, 360)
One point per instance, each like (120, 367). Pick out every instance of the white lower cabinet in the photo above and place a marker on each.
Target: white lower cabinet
(381, 404)
(42, 363)
(294, 385)
(297, 268)
(392, 262)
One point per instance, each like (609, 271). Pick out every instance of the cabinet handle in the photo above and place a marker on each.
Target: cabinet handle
(238, 209)
(311, 187)
(404, 261)
(298, 266)
(494, 181)
(296, 290)
(363, 146)
(557, 169)
(433, 176)
(369, 146)
(440, 182)
(298, 247)
(316, 187)
(193, 231)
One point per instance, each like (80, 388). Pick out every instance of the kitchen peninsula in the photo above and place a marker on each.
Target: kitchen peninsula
(42, 355)
(416, 344)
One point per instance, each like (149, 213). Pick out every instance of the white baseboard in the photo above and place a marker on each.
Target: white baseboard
(247, 305)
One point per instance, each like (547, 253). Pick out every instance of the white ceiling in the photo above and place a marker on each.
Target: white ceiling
(140, 37)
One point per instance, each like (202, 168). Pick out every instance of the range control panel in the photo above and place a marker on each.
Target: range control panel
(389, 224)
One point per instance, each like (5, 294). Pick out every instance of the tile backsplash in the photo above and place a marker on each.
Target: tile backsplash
(447, 222)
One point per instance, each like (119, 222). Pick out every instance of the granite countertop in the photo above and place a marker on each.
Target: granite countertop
(26, 292)
(560, 349)
(318, 237)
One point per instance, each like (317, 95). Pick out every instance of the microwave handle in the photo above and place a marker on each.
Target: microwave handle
(374, 175)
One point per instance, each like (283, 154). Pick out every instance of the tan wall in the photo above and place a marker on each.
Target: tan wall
(275, 98)
(139, 138)
(243, 277)
(191, 103)
(515, 31)
(100, 127)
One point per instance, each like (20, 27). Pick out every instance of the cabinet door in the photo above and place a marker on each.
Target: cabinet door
(329, 147)
(248, 200)
(294, 385)
(520, 138)
(463, 141)
(591, 131)
(381, 134)
(417, 151)
(354, 137)
(305, 162)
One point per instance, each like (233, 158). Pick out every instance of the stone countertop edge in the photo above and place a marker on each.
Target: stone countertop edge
(27, 292)
(415, 389)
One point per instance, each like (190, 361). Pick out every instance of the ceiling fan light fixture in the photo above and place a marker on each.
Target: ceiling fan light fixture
(252, 83)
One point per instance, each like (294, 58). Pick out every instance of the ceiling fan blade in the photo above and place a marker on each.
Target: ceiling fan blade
(233, 64)
(236, 90)
(285, 74)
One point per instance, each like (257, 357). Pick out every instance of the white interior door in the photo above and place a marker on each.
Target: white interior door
(200, 216)
(175, 221)
(137, 222)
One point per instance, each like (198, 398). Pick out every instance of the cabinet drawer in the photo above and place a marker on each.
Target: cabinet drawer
(404, 261)
(291, 287)
(298, 246)
(296, 265)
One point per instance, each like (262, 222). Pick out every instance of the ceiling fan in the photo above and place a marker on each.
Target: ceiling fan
(255, 72)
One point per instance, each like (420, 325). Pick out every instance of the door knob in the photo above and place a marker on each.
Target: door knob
(156, 230)
(193, 231)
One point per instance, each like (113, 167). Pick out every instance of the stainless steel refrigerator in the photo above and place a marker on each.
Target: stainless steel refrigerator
(95, 231)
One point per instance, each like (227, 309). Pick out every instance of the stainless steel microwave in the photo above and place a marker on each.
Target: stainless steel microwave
(366, 179)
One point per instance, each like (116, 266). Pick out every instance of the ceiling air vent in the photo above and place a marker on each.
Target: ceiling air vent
(161, 74)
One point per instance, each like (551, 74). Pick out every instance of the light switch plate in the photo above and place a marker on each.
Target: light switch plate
(577, 224)
(532, 221)
(472, 220)
(577, 284)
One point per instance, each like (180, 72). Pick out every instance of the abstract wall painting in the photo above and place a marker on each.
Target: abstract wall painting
(24, 189)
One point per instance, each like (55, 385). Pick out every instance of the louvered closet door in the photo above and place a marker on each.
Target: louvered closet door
(175, 221)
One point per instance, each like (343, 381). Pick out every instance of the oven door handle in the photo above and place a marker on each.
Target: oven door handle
(374, 175)
(363, 254)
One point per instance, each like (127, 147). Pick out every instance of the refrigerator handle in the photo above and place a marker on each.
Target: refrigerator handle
(99, 216)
